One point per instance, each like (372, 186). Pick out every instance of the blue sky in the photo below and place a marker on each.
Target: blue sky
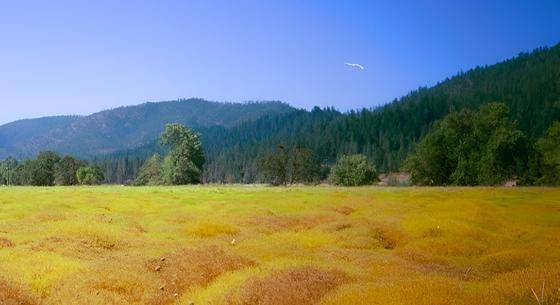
(79, 57)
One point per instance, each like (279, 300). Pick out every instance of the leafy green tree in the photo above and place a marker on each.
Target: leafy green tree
(150, 172)
(470, 148)
(505, 153)
(183, 164)
(7, 171)
(89, 175)
(22, 173)
(289, 165)
(41, 171)
(274, 166)
(304, 166)
(66, 169)
(353, 170)
(548, 154)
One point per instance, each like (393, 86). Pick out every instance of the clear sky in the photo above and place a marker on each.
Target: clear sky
(79, 57)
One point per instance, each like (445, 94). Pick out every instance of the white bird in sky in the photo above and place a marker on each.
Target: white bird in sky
(355, 65)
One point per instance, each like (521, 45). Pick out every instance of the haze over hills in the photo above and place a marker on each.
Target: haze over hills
(124, 127)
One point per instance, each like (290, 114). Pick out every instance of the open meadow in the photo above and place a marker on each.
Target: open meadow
(263, 245)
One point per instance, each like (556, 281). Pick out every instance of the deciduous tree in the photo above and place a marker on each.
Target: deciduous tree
(183, 164)
(470, 148)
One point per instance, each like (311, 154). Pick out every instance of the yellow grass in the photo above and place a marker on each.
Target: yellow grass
(301, 245)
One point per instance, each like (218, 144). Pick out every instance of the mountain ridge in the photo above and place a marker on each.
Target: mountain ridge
(123, 127)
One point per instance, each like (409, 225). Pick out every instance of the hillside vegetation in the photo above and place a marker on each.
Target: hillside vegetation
(256, 245)
(529, 85)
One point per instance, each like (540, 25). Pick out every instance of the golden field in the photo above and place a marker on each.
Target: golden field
(263, 245)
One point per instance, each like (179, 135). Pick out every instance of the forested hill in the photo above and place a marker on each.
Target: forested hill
(528, 84)
(123, 128)
(18, 135)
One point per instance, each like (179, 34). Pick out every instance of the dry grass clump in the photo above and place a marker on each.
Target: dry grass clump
(73, 246)
(342, 226)
(505, 261)
(93, 235)
(103, 218)
(158, 281)
(6, 243)
(363, 234)
(12, 294)
(388, 237)
(403, 291)
(273, 224)
(210, 229)
(298, 285)
(116, 282)
(426, 263)
(344, 210)
(192, 267)
(433, 232)
(51, 217)
(526, 285)
(354, 235)
(456, 246)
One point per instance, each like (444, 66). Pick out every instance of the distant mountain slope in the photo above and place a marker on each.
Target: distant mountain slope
(123, 127)
(23, 132)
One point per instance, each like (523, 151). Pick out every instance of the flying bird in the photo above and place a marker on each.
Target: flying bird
(355, 65)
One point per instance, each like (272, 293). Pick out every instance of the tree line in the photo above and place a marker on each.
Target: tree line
(467, 147)
(484, 147)
(49, 169)
(183, 164)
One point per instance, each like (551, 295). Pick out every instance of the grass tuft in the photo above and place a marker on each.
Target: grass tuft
(302, 285)
(211, 229)
(6, 243)
(14, 294)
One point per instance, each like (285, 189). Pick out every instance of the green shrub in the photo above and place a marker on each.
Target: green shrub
(89, 175)
(353, 170)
